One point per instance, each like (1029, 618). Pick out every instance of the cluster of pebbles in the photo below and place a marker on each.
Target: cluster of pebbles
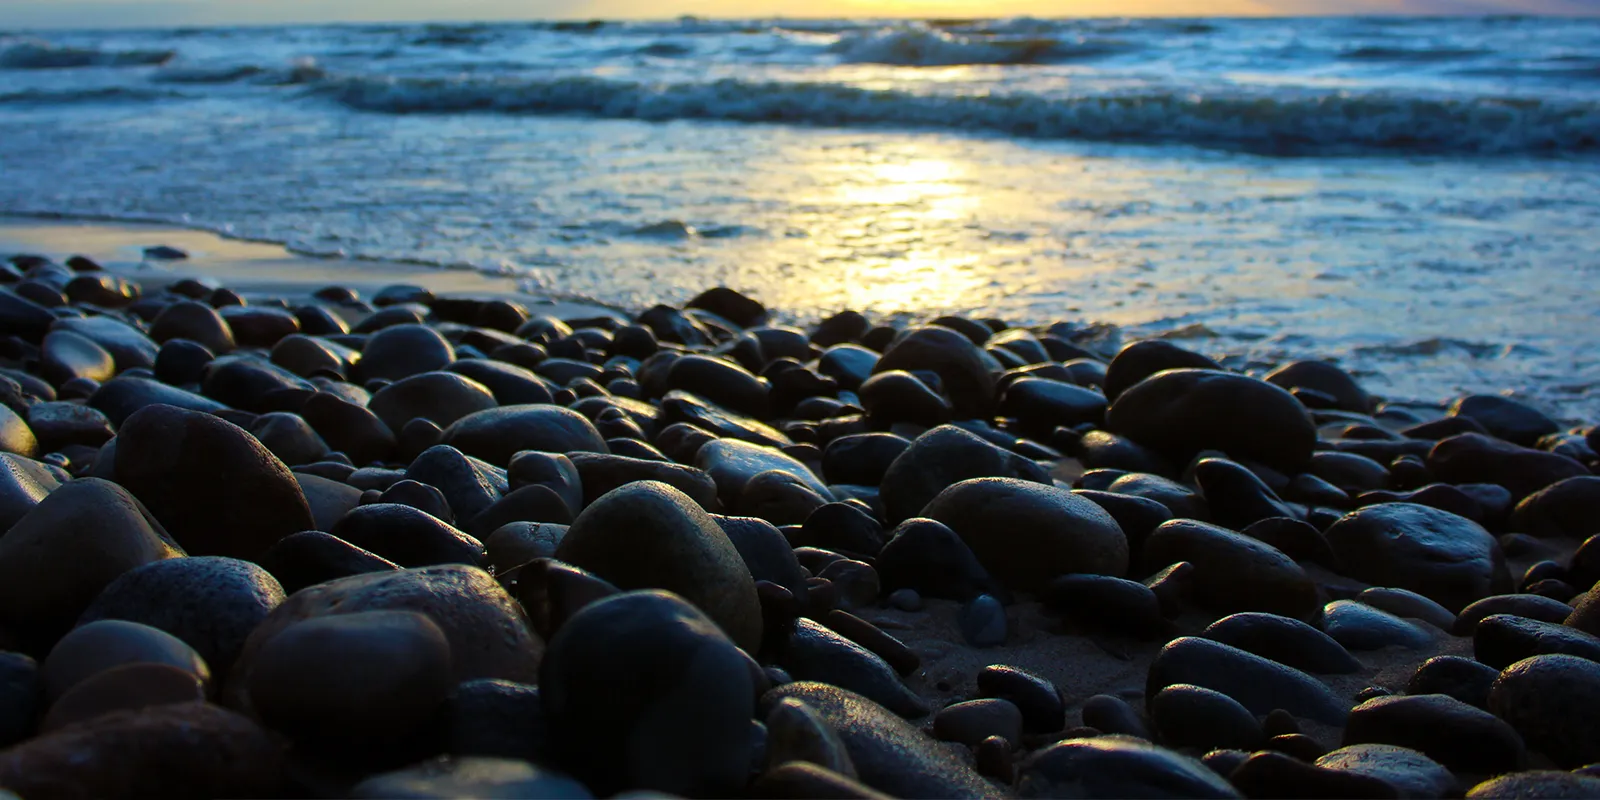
(420, 546)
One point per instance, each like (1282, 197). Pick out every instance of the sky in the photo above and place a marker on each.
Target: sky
(119, 13)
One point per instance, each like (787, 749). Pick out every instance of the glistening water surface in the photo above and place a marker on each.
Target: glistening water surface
(1416, 198)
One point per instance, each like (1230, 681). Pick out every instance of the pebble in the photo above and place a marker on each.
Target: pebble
(1537, 785)
(1268, 773)
(599, 473)
(1569, 507)
(309, 558)
(1444, 557)
(648, 535)
(796, 732)
(1325, 378)
(1038, 700)
(211, 603)
(943, 457)
(176, 750)
(1025, 534)
(1358, 626)
(1112, 715)
(1553, 701)
(1181, 501)
(1140, 360)
(967, 373)
(1233, 572)
(705, 712)
(928, 557)
(215, 488)
(1236, 496)
(45, 580)
(734, 464)
(1260, 684)
(1183, 411)
(1105, 603)
(125, 688)
(1531, 606)
(20, 697)
(1116, 766)
(23, 484)
(551, 592)
(1462, 678)
(1411, 773)
(1409, 604)
(973, 721)
(906, 600)
(889, 755)
(1475, 458)
(108, 644)
(1504, 418)
(407, 536)
(442, 398)
(846, 528)
(814, 653)
(1193, 716)
(1459, 736)
(497, 718)
(196, 322)
(983, 622)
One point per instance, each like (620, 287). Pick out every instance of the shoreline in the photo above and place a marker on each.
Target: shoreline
(253, 267)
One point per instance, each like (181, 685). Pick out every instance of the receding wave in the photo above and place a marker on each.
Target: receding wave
(110, 94)
(1328, 124)
(39, 54)
(933, 47)
(207, 75)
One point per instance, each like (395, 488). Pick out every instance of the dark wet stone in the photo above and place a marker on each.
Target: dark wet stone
(735, 464)
(443, 397)
(1181, 412)
(1462, 678)
(650, 535)
(1504, 639)
(563, 371)
(1183, 502)
(495, 435)
(1105, 450)
(968, 374)
(252, 384)
(517, 543)
(1584, 568)
(1442, 496)
(470, 776)
(940, 458)
(407, 536)
(679, 406)
(312, 557)
(197, 322)
(1115, 766)
(1504, 418)
(803, 780)
(1026, 534)
(1040, 703)
(1261, 685)
(328, 498)
(210, 603)
(259, 326)
(730, 305)
(701, 697)
(400, 351)
(1325, 378)
(65, 355)
(488, 632)
(212, 485)
(497, 718)
(1457, 735)
(1233, 572)
(781, 497)
(849, 364)
(724, 383)
(119, 398)
(1537, 785)
(891, 650)
(1445, 557)
(1110, 714)
(1297, 539)
(1192, 716)
(1284, 640)
(552, 591)
(23, 318)
(1140, 360)
(889, 754)
(1553, 701)
(421, 496)
(601, 473)
(1268, 774)
(1358, 626)
(318, 321)
(973, 721)
(1475, 458)
(1523, 605)
(23, 484)
(1411, 773)
(527, 504)
(348, 428)
(1570, 507)
(844, 527)
(510, 384)
(1106, 604)
(1235, 496)
(898, 396)
(1042, 404)
(175, 750)
(289, 437)
(815, 653)
(861, 458)
(1349, 471)
(553, 470)
(1408, 604)
(397, 314)
(1136, 516)
(928, 556)
(468, 484)
(20, 697)
(982, 621)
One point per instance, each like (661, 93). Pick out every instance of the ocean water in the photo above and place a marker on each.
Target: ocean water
(1418, 199)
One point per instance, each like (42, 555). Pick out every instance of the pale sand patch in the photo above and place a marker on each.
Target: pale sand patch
(253, 267)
